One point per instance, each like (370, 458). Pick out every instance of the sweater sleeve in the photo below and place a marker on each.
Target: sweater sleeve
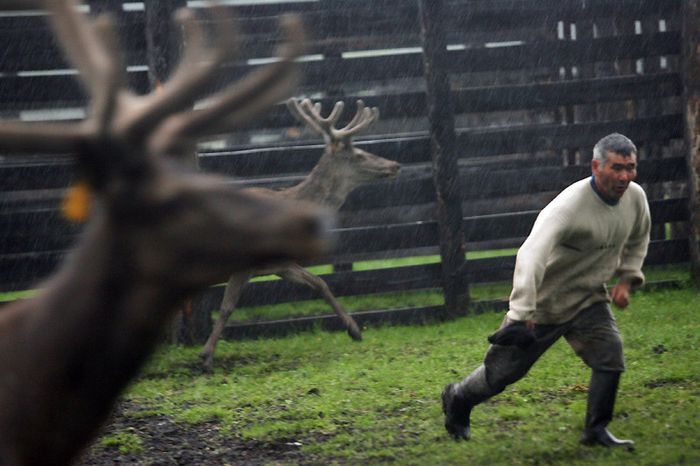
(531, 262)
(635, 249)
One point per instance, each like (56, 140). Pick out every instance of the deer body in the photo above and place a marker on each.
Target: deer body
(68, 353)
(89, 368)
(341, 168)
(155, 236)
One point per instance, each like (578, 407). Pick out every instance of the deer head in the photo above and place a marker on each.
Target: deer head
(156, 232)
(342, 166)
(353, 162)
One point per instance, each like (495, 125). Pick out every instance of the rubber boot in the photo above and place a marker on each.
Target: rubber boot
(601, 402)
(458, 399)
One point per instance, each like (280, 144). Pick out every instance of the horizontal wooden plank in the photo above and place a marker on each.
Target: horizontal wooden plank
(675, 251)
(470, 144)
(21, 92)
(54, 91)
(337, 71)
(22, 229)
(30, 45)
(530, 96)
(483, 183)
(483, 228)
(499, 269)
(24, 271)
(501, 98)
(275, 161)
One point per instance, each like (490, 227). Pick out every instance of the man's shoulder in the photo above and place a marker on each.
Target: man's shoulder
(568, 202)
(574, 193)
(636, 190)
(636, 194)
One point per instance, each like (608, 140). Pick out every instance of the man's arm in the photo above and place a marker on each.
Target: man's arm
(632, 259)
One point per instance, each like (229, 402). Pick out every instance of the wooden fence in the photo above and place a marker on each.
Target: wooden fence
(534, 85)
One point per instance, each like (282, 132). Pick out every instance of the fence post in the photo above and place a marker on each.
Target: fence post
(444, 157)
(162, 39)
(691, 91)
(192, 324)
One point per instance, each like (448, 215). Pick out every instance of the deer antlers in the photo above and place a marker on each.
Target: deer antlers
(164, 119)
(310, 114)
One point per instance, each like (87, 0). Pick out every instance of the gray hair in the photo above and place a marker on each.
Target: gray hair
(616, 143)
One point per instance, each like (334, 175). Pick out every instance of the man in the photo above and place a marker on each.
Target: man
(593, 230)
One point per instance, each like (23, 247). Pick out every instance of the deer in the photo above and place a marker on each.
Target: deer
(155, 232)
(341, 168)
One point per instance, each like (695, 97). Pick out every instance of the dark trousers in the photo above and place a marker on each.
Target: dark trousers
(592, 334)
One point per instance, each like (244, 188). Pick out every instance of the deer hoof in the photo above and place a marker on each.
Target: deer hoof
(355, 333)
(207, 362)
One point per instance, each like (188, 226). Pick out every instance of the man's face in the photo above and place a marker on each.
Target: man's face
(613, 177)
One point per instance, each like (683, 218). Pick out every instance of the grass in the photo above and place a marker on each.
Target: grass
(399, 262)
(377, 402)
(124, 442)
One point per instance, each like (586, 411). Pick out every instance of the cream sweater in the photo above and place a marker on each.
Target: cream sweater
(576, 245)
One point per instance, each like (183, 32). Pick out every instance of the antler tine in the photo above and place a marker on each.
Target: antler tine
(314, 112)
(297, 109)
(363, 118)
(105, 97)
(193, 40)
(311, 109)
(193, 76)
(245, 99)
(332, 119)
(82, 45)
(356, 117)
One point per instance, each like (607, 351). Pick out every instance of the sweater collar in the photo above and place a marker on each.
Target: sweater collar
(602, 196)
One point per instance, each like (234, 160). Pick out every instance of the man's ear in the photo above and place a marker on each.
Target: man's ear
(595, 165)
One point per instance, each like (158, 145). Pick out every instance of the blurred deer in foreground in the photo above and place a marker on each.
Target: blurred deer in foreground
(156, 234)
(341, 169)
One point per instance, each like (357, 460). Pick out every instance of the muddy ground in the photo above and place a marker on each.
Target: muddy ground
(165, 442)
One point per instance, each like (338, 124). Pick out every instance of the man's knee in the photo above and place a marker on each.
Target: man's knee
(601, 355)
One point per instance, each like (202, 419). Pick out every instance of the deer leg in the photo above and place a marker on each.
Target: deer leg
(297, 274)
(231, 295)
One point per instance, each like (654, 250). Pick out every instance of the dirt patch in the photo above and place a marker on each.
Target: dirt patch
(165, 442)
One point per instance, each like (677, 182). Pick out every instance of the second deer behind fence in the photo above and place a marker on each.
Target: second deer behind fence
(341, 169)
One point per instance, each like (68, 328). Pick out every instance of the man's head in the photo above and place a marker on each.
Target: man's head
(614, 165)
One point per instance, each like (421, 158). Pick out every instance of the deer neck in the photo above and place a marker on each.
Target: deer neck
(104, 320)
(326, 185)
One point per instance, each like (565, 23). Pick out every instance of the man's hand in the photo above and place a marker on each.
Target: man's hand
(621, 294)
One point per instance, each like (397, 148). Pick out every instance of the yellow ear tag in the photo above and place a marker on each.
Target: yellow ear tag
(76, 204)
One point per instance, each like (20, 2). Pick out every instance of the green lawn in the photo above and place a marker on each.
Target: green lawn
(377, 402)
